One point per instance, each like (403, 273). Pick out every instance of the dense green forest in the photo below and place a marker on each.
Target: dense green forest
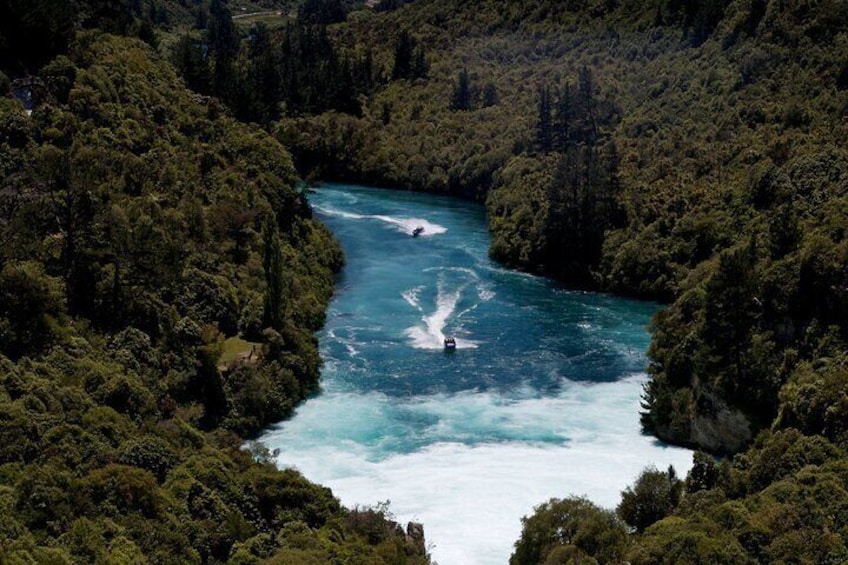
(160, 271)
(161, 278)
(688, 152)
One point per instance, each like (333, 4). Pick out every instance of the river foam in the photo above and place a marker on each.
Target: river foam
(470, 465)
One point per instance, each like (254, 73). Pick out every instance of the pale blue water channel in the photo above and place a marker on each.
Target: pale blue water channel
(540, 399)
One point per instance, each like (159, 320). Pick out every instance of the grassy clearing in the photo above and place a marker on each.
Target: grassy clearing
(236, 348)
(271, 19)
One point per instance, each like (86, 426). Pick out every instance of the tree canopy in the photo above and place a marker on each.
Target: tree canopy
(160, 275)
(161, 278)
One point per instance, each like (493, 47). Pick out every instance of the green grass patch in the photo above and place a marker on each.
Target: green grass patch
(272, 19)
(235, 348)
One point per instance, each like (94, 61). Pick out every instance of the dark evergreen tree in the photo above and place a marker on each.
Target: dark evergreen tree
(585, 115)
(420, 65)
(698, 18)
(263, 81)
(461, 96)
(755, 15)
(544, 125)
(404, 47)
(223, 40)
(490, 95)
(562, 120)
(341, 90)
(191, 61)
(707, 15)
(66, 186)
(583, 195)
(273, 263)
(410, 58)
(732, 311)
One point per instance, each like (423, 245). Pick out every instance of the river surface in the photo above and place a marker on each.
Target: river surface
(539, 400)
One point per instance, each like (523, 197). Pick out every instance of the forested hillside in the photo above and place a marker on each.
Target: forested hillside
(160, 282)
(689, 152)
(161, 276)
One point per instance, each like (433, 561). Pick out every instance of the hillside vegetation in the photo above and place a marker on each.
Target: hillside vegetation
(688, 152)
(143, 232)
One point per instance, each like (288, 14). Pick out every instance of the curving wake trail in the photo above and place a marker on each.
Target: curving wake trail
(402, 224)
(430, 333)
(454, 287)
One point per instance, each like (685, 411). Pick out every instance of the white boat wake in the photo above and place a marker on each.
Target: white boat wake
(430, 332)
(404, 225)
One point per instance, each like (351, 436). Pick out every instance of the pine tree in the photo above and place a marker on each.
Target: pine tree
(544, 131)
(490, 95)
(223, 40)
(273, 263)
(420, 65)
(410, 58)
(189, 59)
(586, 126)
(461, 97)
(264, 77)
(403, 56)
(562, 121)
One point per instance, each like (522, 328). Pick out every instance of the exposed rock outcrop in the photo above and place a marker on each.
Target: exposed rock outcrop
(720, 428)
(415, 535)
(700, 418)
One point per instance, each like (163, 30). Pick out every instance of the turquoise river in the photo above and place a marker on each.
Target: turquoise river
(539, 400)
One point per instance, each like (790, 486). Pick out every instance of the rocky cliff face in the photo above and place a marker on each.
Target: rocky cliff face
(702, 419)
(415, 535)
(718, 427)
